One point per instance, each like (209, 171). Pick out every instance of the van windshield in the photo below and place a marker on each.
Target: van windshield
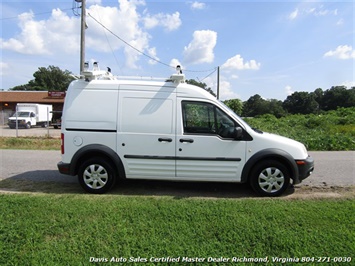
(239, 118)
(22, 114)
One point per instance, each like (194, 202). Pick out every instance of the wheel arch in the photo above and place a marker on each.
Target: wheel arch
(270, 154)
(97, 150)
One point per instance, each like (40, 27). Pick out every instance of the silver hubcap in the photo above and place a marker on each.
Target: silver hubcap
(95, 176)
(271, 179)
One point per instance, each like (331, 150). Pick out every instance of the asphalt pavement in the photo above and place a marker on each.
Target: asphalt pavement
(336, 168)
(5, 131)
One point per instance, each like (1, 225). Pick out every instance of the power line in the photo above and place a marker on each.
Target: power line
(141, 52)
(134, 48)
(36, 14)
(209, 74)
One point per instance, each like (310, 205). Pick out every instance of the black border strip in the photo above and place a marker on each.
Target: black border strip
(152, 157)
(92, 130)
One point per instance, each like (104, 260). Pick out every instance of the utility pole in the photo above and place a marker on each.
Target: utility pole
(82, 34)
(218, 83)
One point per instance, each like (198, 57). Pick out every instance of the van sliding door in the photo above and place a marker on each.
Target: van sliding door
(146, 133)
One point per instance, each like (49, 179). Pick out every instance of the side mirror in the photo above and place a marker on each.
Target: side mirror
(238, 133)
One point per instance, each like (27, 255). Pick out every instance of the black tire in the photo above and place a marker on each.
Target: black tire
(96, 175)
(270, 178)
(28, 125)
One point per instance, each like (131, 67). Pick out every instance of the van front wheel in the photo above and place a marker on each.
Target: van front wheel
(96, 175)
(270, 178)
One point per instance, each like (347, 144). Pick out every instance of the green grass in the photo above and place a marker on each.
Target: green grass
(41, 229)
(30, 143)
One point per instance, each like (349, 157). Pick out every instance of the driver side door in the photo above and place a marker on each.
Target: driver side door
(206, 147)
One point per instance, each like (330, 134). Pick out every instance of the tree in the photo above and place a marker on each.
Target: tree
(338, 96)
(275, 108)
(201, 85)
(48, 79)
(254, 106)
(300, 103)
(235, 104)
(318, 97)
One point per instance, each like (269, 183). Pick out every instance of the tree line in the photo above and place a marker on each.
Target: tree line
(298, 103)
(53, 78)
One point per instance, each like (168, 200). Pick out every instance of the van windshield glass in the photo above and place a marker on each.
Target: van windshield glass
(239, 118)
(22, 114)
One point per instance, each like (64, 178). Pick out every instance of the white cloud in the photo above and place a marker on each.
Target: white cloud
(293, 15)
(225, 87)
(153, 53)
(3, 68)
(349, 84)
(197, 5)
(123, 21)
(169, 22)
(30, 40)
(340, 22)
(57, 34)
(341, 52)
(318, 11)
(175, 62)
(226, 92)
(60, 33)
(97, 2)
(200, 49)
(237, 63)
(289, 90)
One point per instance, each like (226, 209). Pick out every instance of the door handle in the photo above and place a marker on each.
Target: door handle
(165, 139)
(187, 140)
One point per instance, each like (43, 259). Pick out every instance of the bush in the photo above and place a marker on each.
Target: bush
(329, 131)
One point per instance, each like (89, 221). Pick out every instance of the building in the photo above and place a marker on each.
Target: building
(9, 100)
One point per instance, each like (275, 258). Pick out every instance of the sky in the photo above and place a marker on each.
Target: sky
(271, 48)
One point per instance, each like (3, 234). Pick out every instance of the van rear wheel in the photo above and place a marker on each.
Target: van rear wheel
(96, 175)
(270, 178)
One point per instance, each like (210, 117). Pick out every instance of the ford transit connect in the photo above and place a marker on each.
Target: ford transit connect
(116, 128)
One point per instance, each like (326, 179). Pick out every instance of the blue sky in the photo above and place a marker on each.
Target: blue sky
(270, 48)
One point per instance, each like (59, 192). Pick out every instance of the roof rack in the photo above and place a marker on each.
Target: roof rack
(97, 74)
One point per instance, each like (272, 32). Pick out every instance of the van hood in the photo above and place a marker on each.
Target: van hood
(265, 140)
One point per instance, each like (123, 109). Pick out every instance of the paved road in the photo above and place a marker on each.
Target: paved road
(331, 168)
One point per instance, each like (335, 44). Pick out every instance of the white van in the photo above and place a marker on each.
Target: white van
(116, 128)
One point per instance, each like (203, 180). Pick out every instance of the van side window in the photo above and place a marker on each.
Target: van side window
(205, 118)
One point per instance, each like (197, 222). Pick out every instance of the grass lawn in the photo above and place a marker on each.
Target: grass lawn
(74, 229)
(30, 143)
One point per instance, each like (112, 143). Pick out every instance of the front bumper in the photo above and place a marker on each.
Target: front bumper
(305, 168)
(20, 123)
